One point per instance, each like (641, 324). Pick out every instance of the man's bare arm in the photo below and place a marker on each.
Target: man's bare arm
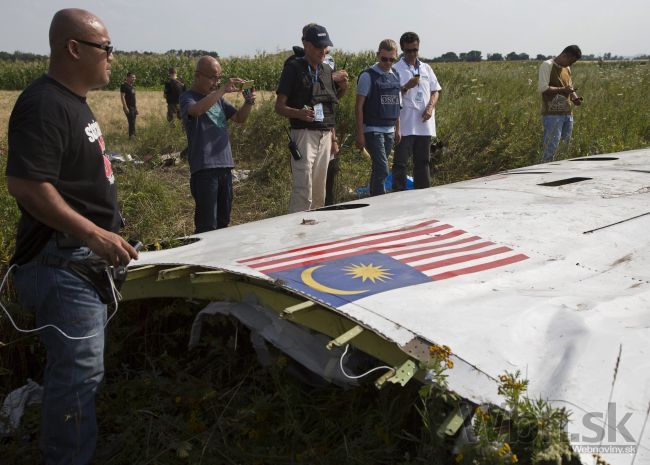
(44, 203)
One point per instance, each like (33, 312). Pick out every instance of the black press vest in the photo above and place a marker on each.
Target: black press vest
(307, 92)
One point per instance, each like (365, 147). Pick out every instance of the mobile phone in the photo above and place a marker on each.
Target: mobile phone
(246, 85)
(136, 244)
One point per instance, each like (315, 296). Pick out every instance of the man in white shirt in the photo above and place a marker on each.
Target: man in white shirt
(420, 89)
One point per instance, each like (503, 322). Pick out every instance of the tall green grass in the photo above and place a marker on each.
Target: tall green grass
(151, 69)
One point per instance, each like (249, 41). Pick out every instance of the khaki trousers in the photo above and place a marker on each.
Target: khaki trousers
(310, 172)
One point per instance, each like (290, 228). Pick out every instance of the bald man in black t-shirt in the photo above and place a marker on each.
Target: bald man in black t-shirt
(58, 171)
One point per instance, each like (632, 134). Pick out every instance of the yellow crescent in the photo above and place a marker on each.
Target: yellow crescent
(309, 280)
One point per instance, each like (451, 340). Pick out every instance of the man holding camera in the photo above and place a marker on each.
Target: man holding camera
(61, 178)
(205, 113)
(306, 95)
(558, 95)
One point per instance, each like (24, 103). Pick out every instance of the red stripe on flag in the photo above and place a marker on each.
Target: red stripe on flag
(427, 240)
(419, 225)
(439, 253)
(464, 258)
(477, 268)
(350, 246)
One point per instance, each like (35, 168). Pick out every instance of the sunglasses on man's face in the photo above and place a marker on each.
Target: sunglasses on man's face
(387, 59)
(107, 48)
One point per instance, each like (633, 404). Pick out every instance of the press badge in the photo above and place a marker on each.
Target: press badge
(319, 115)
(419, 97)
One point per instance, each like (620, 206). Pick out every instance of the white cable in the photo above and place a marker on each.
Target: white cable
(63, 333)
(347, 346)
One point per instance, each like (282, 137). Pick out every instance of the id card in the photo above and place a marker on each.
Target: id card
(419, 97)
(319, 115)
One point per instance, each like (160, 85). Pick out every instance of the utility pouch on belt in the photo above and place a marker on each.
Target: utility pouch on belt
(293, 148)
(95, 271)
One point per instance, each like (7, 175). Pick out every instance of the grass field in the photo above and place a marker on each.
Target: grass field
(164, 405)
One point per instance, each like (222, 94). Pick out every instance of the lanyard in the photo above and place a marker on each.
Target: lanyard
(312, 76)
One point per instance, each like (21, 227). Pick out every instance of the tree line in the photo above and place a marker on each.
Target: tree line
(477, 55)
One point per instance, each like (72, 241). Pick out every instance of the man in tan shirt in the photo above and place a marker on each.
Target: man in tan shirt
(558, 96)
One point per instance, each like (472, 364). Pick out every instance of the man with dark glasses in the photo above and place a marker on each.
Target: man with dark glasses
(420, 90)
(62, 180)
(377, 111)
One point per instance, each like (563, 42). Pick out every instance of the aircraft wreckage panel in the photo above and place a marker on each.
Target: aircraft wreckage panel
(514, 271)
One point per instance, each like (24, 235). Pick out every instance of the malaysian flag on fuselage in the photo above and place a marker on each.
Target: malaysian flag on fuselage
(345, 270)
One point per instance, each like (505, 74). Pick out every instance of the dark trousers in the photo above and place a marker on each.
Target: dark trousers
(131, 119)
(418, 147)
(332, 171)
(212, 192)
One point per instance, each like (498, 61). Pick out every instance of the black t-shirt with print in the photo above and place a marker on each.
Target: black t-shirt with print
(54, 137)
(129, 94)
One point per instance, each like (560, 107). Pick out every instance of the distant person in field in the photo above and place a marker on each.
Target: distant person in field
(420, 90)
(558, 96)
(173, 90)
(61, 178)
(377, 110)
(127, 94)
(205, 113)
(306, 95)
(338, 76)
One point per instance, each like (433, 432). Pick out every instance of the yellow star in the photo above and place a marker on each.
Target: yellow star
(371, 272)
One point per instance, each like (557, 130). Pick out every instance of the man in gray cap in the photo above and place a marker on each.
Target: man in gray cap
(306, 95)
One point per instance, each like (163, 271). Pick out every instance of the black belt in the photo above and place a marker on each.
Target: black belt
(66, 241)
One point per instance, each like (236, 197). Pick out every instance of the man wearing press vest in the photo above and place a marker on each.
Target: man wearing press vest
(377, 113)
(306, 95)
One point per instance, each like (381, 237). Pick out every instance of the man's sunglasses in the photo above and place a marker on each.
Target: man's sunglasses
(107, 48)
(411, 50)
(387, 59)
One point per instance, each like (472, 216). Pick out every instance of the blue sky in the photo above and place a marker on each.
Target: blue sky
(248, 27)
